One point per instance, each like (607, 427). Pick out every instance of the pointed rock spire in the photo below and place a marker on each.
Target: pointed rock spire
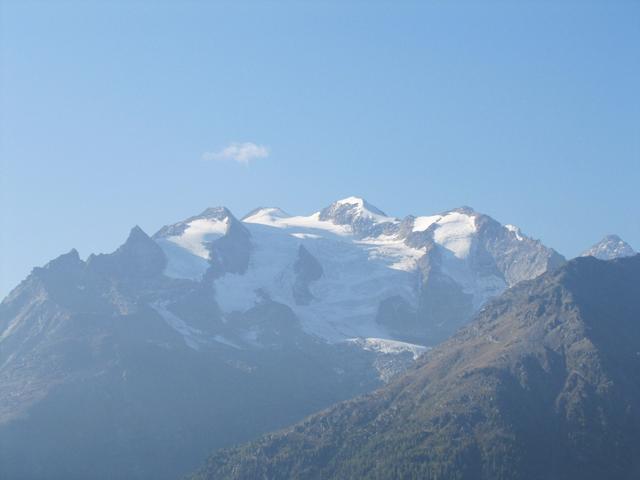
(610, 247)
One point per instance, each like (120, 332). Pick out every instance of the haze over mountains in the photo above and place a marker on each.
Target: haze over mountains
(544, 384)
(138, 363)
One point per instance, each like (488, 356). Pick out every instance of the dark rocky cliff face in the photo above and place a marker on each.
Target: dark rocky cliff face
(307, 269)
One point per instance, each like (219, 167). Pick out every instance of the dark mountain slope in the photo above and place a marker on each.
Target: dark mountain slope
(109, 370)
(544, 384)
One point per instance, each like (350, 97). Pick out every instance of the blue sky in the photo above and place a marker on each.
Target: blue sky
(117, 113)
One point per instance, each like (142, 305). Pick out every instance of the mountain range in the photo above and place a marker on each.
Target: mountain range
(349, 270)
(138, 363)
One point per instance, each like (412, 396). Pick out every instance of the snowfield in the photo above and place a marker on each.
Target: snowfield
(358, 271)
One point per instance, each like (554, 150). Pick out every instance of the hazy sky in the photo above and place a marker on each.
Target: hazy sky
(122, 113)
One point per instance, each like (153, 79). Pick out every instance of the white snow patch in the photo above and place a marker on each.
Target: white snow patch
(199, 232)
(312, 224)
(226, 341)
(455, 232)
(383, 345)
(305, 235)
(187, 253)
(393, 252)
(266, 215)
(357, 275)
(515, 230)
(351, 201)
(181, 263)
(189, 334)
(420, 224)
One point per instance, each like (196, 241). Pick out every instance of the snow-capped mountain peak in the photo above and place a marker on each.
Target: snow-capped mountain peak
(213, 220)
(197, 233)
(348, 209)
(188, 244)
(364, 219)
(453, 230)
(265, 214)
(361, 205)
(610, 247)
(216, 213)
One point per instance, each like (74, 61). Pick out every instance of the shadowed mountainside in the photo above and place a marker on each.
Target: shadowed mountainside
(544, 384)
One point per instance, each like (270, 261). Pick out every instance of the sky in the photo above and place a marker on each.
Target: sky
(115, 114)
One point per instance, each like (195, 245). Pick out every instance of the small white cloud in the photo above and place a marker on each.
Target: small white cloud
(239, 152)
